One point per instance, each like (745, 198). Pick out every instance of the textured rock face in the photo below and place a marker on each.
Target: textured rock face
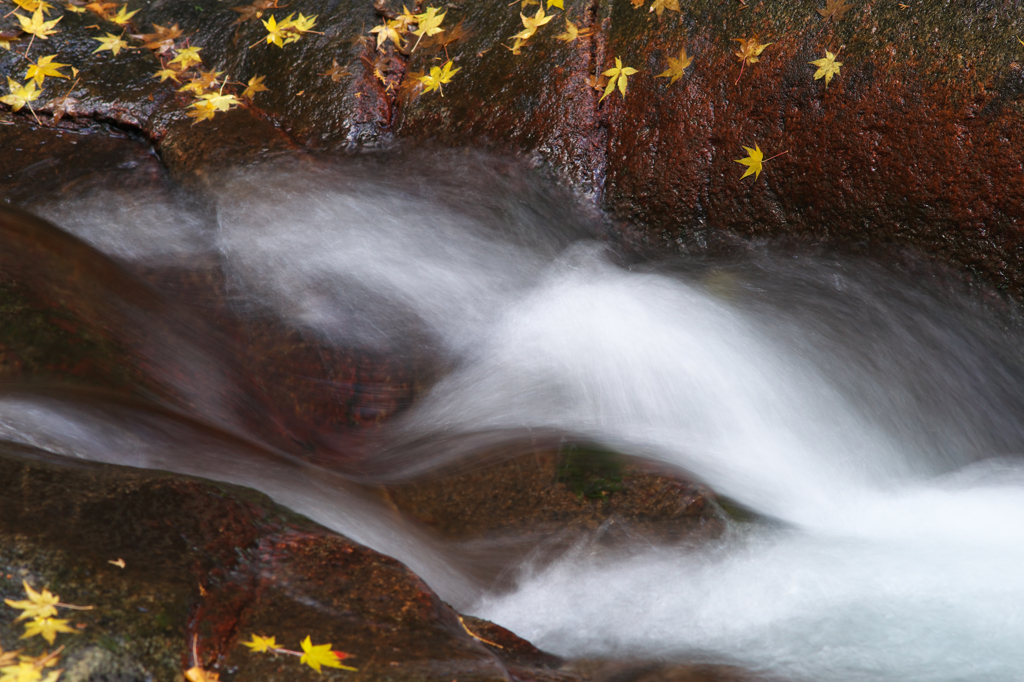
(214, 564)
(913, 144)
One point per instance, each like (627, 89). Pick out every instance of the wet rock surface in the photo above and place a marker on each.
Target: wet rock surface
(576, 489)
(214, 563)
(913, 144)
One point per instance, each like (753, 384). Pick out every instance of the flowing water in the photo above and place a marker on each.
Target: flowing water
(875, 412)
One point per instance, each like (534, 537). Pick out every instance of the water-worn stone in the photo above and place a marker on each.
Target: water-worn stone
(205, 566)
(574, 489)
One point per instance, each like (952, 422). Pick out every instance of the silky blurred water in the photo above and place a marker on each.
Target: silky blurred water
(874, 411)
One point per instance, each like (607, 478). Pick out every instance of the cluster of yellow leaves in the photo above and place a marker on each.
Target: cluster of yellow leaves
(40, 608)
(427, 23)
(288, 31)
(313, 655)
(17, 667)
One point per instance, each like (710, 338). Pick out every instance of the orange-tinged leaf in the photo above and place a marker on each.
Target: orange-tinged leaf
(573, 32)
(256, 85)
(676, 67)
(750, 50)
(659, 6)
(199, 674)
(834, 9)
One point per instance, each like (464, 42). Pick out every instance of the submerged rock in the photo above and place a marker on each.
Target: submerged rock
(573, 491)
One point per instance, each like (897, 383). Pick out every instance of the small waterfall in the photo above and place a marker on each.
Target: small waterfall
(876, 414)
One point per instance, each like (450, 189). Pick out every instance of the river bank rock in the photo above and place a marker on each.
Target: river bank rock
(912, 144)
(207, 565)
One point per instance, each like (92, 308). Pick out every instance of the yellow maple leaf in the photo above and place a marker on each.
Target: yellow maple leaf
(27, 670)
(317, 655)
(429, 22)
(388, 30)
(110, 42)
(834, 9)
(36, 26)
(532, 24)
(573, 32)
(659, 6)
(201, 111)
(827, 67)
(556, 3)
(219, 101)
(164, 74)
(75, 8)
(187, 57)
(617, 75)
(676, 67)
(750, 50)
(754, 160)
(437, 77)
(39, 604)
(47, 628)
(256, 85)
(33, 5)
(261, 645)
(38, 71)
(123, 16)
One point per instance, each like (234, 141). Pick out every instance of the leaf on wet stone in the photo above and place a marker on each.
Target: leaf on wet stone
(33, 5)
(750, 50)
(111, 42)
(617, 76)
(201, 111)
(39, 604)
(123, 16)
(834, 9)
(47, 628)
(385, 31)
(44, 67)
(659, 6)
(187, 57)
(531, 24)
(255, 85)
(827, 67)
(336, 72)
(164, 74)
(161, 40)
(101, 9)
(437, 77)
(752, 161)
(429, 22)
(276, 32)
(319, 655)
(676, 67)
(36, 25)
(260, 644)
(573, 32)
(200, 674)
(556, 3)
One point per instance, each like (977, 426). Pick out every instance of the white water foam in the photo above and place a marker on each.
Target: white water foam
(865, 420)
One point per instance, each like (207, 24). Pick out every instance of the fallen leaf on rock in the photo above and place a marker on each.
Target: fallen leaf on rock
(754, 160)
(44, 67)
(36, 26)
(659, 6)
(110, 42)
(834, 9)
(617, 75)
(827, 67)
(676, 67)
(750, 50)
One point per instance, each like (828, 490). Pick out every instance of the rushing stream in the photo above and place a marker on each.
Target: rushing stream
(876, 415)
